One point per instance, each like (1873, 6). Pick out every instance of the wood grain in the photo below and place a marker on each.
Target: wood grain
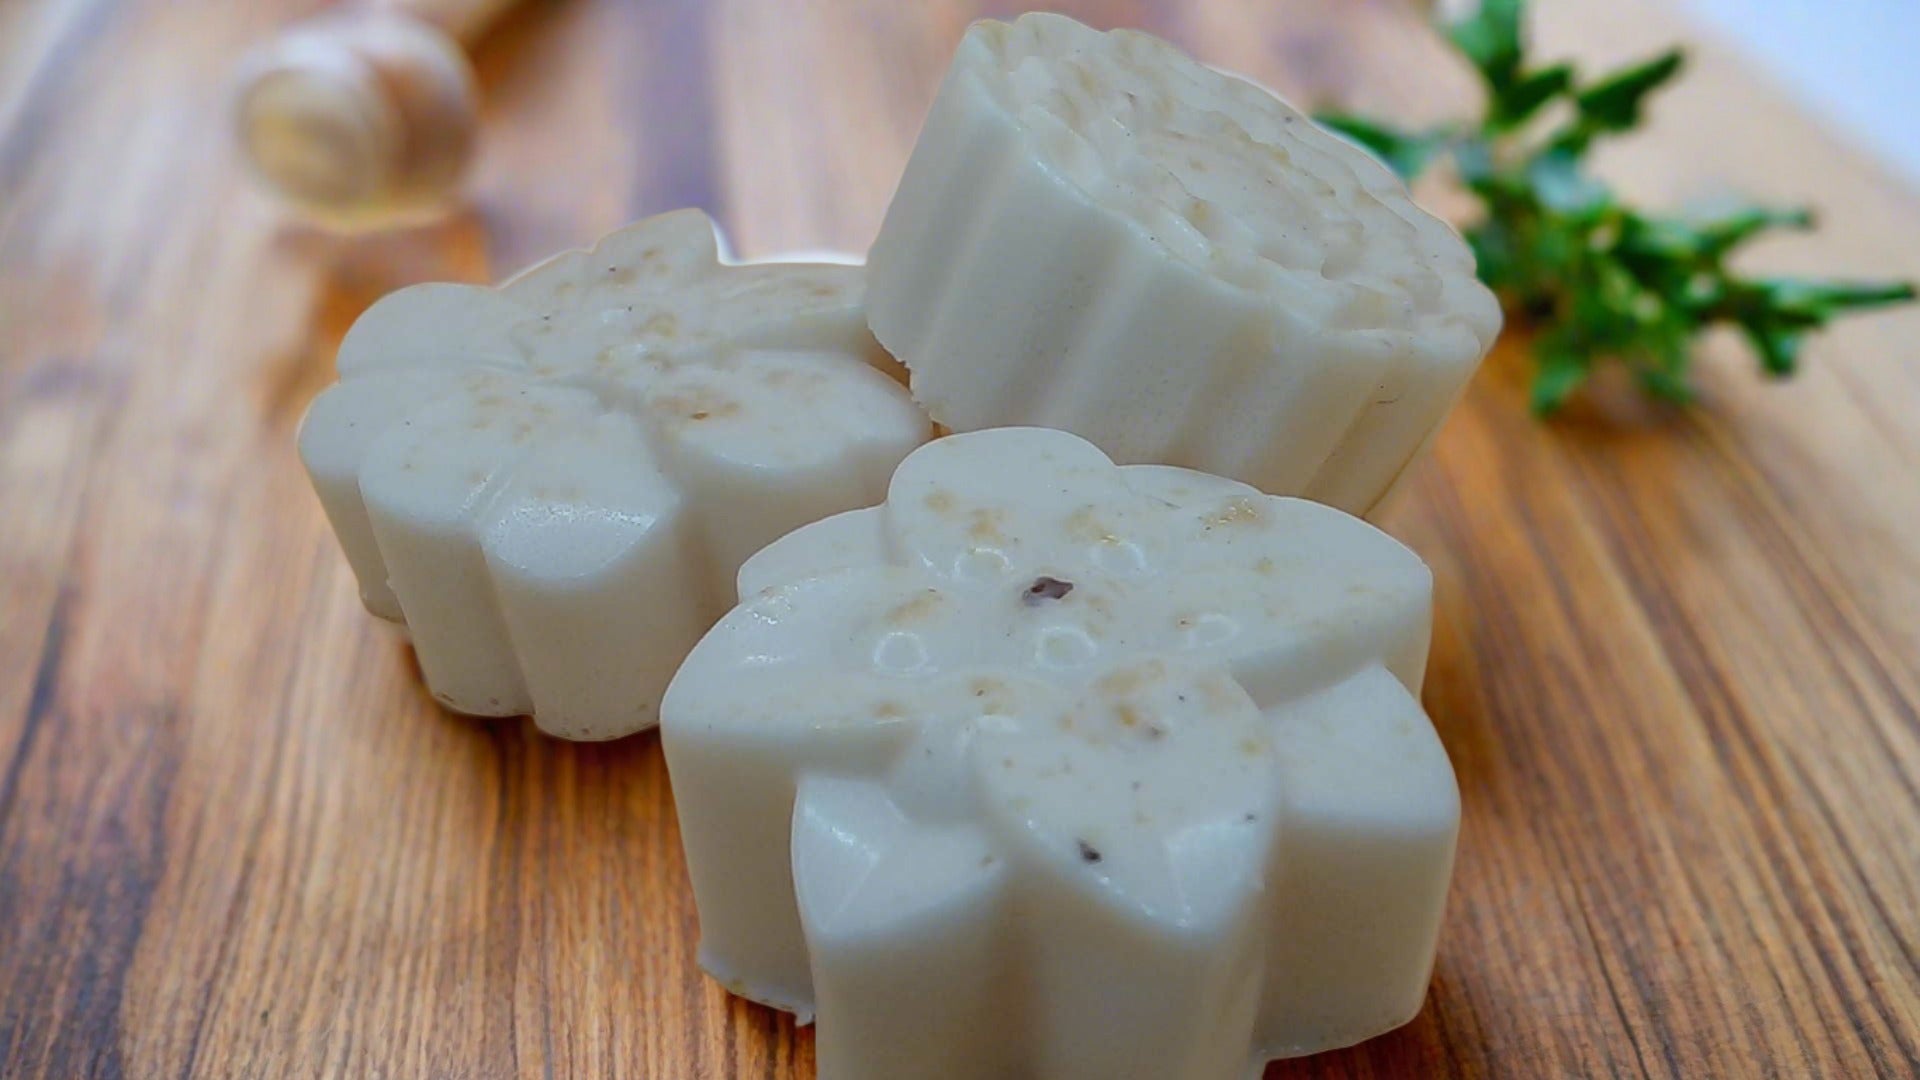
(1677, 663)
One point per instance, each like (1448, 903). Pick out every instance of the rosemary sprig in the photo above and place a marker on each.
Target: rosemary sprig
(1603, 281)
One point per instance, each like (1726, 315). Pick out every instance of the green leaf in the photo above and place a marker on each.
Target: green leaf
(1700, 294)
(1516, 103)
(1728, 231)
(1659, 241)
(1665, 384)
(1562, 187)
(1562, 369)
(1614, 103)
(1824, 299)
(1406, 153)
(1779, 349)
(1662, 373)
(1490, 38)
(1621, 295)
(1492, 253)
(1474, 159)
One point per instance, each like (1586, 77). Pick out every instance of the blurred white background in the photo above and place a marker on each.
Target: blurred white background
(1857, 62)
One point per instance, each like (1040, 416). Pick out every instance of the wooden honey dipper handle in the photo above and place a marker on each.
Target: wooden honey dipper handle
(365, 116)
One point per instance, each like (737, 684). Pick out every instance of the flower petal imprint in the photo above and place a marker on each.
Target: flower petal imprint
(1051, 767)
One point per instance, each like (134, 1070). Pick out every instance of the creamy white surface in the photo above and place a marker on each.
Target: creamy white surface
(552, 483)
(1176, 820)
(1097, 233)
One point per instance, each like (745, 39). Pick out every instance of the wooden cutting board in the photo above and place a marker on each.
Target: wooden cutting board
(1677, 661)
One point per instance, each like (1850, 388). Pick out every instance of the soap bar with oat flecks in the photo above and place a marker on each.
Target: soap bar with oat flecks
(1099, 234)
(1048, 767)
(553, 483)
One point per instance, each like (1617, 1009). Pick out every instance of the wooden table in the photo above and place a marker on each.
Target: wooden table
(1677, 665)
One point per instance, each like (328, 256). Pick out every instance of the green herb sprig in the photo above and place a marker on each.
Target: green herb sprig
(1601, 280)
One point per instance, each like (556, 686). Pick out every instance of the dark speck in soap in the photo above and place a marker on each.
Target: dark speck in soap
(1044, 589)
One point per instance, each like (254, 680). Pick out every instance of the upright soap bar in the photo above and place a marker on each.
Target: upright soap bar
(1099, 234)
(553, 483)
(1048, 767)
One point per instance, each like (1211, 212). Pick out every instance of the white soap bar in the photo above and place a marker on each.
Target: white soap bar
(1048, 767)
(553, 483)
(1099, 234)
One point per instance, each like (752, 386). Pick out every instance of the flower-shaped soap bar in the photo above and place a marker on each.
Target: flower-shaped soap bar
(554, 482)
(1099, 234)
(1048, 767)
